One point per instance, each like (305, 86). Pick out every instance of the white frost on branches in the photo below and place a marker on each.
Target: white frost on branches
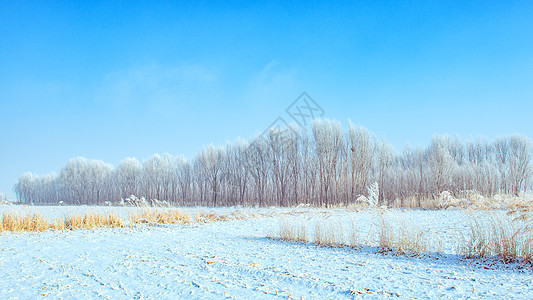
(373, 194)
(134, 201)
(324, 167)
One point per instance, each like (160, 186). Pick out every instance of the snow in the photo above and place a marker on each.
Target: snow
(237, 260)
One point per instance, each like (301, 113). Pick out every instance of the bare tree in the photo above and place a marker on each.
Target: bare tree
(328, 143)
(519, 163)
(211, 160)
(361, 146)
(257, 167)
(289, 166)
(441, 163)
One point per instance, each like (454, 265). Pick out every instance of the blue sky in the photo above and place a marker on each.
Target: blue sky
(109, 80)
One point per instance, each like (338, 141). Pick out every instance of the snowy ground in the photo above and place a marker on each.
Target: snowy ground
(236, 260)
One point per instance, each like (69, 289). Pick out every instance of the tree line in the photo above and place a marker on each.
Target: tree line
(291, 166)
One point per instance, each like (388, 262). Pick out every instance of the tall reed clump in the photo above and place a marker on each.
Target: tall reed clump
(403, 239)
(325, 232)
(507, 238)
(291, 230)
(329, 233)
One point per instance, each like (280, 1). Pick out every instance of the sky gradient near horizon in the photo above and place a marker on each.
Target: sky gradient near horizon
(109, 80)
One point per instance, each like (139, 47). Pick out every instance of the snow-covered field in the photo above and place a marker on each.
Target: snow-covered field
(236, 260)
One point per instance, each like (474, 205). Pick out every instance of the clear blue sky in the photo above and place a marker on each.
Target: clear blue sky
(109, 80)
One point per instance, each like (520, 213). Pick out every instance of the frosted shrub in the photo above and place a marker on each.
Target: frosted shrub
(373, 194)
(479, 201)
(134, 201)
(447, 200)
(159, 203)
(362, 199)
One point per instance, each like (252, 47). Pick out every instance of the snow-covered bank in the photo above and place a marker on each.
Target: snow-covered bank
(234, 259)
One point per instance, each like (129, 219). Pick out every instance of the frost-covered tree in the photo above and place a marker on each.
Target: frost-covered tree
(520, 155)
(328, 144)
(441, 163)
(361, 147)
(127, 177)
(285, 167)
(211, 160)
(373, 194)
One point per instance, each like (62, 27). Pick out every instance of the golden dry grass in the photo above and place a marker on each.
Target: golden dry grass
(16, 222)
(204, 217)
(34, 222)
(89, 221)
(157, 216)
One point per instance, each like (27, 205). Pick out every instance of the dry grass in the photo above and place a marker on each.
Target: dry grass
(325, 232)
(414, 203)
(520, 205)
(403, 239)
(29, 222)
(206, 217)
(292, 231)
(34, 222)
(506, 238)
(157, 216)
(472, 200)
(329, 233)
(88, 221)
